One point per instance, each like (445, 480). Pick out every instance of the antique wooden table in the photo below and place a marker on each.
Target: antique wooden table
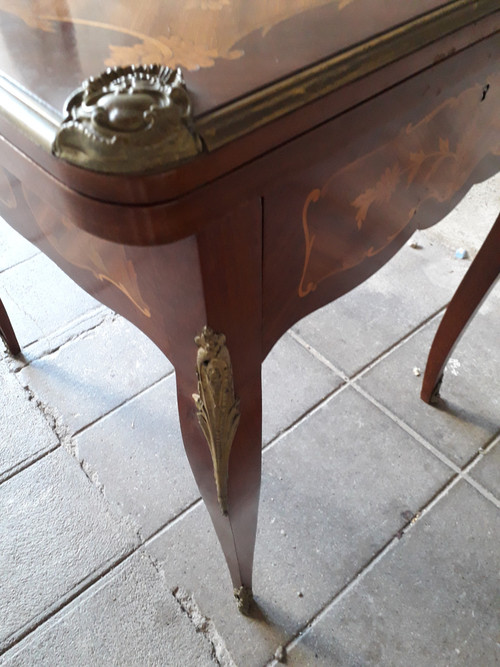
(295, 151)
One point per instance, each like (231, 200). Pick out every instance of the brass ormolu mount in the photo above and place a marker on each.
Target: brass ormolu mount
(218, 409)
(128, 120)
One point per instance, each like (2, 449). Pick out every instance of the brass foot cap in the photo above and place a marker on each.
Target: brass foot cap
(244, 599)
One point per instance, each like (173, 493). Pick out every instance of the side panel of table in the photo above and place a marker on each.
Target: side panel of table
(358, 186)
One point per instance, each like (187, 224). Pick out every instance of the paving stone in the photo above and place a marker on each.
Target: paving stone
(24, 433)
(129, 618)
(432, 601)
(40, 300)
(13, 247)
(136, 455)
(362, 324)
(335, 490)
(487, 471)
(57, 533)
(95, 373)
(293, 381)
(468, 414)
(480, 207)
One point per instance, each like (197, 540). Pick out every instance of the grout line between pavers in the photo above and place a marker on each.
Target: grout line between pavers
(374, 362)
(21, 261)
(23, 362)
(92, 580)
(408, 429)
(96, 580)
(114, 409)
(61, 603)
(27, 463)
(352, 382)
(304, 416)
(361, 574)
(484, 492)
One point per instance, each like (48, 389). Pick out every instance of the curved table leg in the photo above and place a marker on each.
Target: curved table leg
(221, 419)
(7, 332)
(175, 293)
(471, 292)
(223, 447)
(210, 326)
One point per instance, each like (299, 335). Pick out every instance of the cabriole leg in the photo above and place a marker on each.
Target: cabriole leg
(7, 332)
(471, 292)
(219, 387)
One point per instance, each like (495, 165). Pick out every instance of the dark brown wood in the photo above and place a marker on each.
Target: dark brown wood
(250, 237)
(227, 49)
(350, 193)
(155, 188)
(7, 332)
(171, 292)
(470, 294)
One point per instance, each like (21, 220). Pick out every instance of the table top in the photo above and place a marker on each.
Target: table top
(227, 48)
(244, 64)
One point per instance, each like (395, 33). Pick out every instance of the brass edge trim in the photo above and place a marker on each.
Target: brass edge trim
(270, 103)
(31, 116)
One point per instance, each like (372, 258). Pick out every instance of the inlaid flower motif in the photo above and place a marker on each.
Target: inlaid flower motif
(210, 5)
(32, 18)
(171, 51)
(380, 193)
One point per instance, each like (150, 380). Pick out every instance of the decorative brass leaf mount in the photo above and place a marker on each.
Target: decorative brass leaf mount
(128, 120)
(218, 409)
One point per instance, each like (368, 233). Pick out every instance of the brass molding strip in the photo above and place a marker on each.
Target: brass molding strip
(232, 121)
(28, 114)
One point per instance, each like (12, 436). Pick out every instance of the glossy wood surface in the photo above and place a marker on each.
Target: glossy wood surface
(249, 246)
(226, 48)
(7, 332)
(358, 187)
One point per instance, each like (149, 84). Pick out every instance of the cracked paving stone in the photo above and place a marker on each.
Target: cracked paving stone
(335, 490)
(24, 432)
(128, 618)
(89, 376)
(57, 534)
(41, 299)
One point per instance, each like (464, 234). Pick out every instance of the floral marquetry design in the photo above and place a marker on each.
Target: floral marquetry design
(420, 164)
(192, 34)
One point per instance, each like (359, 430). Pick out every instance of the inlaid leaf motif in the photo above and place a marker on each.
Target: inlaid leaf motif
(33, 18)
(416, 161)
(170, 51)
(381, 192)
(444, 145)
(210, 5)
